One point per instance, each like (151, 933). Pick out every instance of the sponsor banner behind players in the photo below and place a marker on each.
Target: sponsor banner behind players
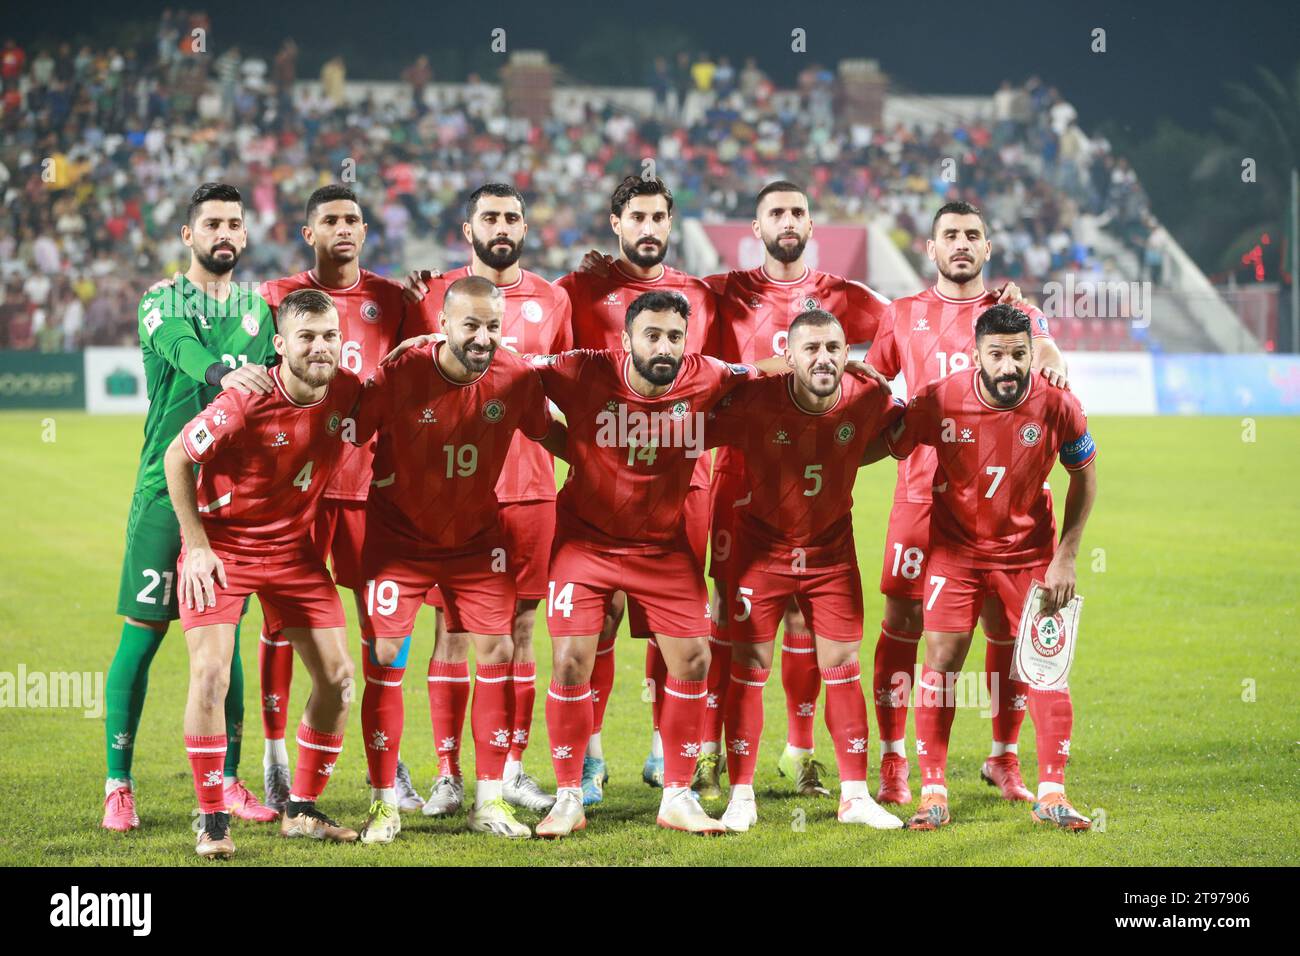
(40, 380)
(1113, 383)
(1228, 384)
(115, 381)
(839, 250)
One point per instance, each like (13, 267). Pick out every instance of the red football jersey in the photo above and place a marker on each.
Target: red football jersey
(441, 448)
(631, 458)
(537, 321)
(600, 315)
(990, 507)
(265, 461)
(926, 337)
(755, 312)
(801, 467)
(371, 313)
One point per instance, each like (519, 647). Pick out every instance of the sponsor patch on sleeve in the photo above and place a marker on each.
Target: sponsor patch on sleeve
(201, 438)
(1079, 452)
(152, 321)
(737, 369)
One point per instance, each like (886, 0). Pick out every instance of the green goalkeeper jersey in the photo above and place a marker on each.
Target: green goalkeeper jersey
(183, 331)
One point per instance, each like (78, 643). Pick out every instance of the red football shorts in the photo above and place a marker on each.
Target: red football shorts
(294, 589)
(338, 533)
(477, 592)
(907, 548)
(528, 528)
(665, 591)
(831, 602)
(955, 595)
(728, 488)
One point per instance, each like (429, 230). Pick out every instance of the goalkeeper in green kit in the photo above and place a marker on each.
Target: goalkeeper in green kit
(199, 335)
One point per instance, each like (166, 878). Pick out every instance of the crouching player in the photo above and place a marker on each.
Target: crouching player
(996, 432)
(802, 437)
(245, 521)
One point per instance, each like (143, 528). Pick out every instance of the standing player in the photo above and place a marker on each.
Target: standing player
(641, 217)
(198, 335)
(445, 413)
(264, 462)
(926, 337)
(803, 437)
(370, 310)
(537, 321)
(755, 309)
(996, 432)
(635, 422)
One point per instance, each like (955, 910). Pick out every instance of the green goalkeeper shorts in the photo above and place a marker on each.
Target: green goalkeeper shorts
(153, 545)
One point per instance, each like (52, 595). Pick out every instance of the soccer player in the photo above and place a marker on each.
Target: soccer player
(755, 309)
(370, 310)
(641, 218)
(536, 320)
(264, 462)
(634, 434)
(803, 437)
(995, 432)
(198, 335)
(926, 337)
(446, 413)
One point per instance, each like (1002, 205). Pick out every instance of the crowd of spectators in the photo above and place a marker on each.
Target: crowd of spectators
(100, 148)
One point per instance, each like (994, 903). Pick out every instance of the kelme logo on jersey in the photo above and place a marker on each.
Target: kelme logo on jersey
(1030, 434)
(370, 311)
(494, 410)
(250, 324)
(844, 434)
(332, 426)
(1046, 634)
(782, 437)
(531, 311)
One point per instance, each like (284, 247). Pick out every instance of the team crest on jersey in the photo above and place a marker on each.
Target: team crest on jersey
(1046, 633)
(811, 302)
(250, 324)
(844, 434)
(1030, 434)
(782, 437)
(531, 311)
(370, 311)
(679, 410)
(332, 426)
(494, 410)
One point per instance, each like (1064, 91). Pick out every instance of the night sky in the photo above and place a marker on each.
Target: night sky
(1162, 59)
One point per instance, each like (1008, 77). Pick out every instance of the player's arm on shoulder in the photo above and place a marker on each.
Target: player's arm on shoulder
(867, 309)
(1050, 362)
(885, 421)
(883, 354)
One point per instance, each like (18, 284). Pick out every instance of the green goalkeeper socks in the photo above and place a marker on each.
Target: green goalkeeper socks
(128, 679)
(124, 693)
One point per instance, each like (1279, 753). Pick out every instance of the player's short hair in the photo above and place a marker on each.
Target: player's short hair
(636, 186)
(211, 192)
(812, 319)
(331, 193)
(476, 286)
(500, 190)
(303, 302)
(1003, 319)
(958, 207)
(657, 302)
(780, 186)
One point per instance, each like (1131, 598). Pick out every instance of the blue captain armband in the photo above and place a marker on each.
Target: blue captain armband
(1076, 454)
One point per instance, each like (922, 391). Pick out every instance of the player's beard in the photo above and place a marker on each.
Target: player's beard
(488, 255)
(786, 254)
(660, 370)
(991, 384)
(822, 391)
(953, 276)
(644, 259)
(217, 267)
(475, 361)
(312, 375)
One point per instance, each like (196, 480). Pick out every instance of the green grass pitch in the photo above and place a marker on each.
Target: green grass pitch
(1186, 684)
